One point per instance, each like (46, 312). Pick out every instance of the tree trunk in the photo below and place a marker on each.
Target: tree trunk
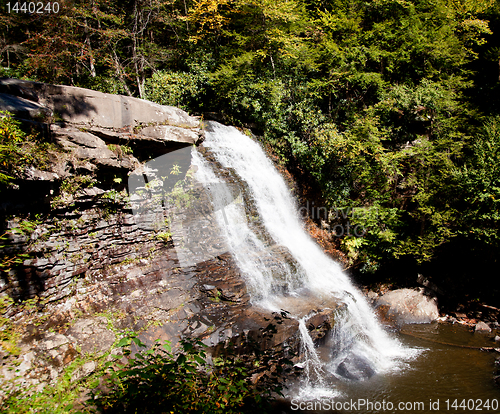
(91, 54)
(119, 73)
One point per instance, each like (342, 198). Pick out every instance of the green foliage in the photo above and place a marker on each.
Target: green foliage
(379, 240)
(12, 256)
(477, 186)
(174, 88)
(69, 187)
(9, 258)
(8, 334)
(62, 397)
(126, 149)
(105, 83)
(120, 150)
(10, 139)
(159, 380)
(113, 201)
(10, 330)
(18, 149)
(163, 236)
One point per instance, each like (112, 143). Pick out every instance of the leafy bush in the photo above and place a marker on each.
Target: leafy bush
(158, 381)
(477, 184)
(173, 88)
(18, 149)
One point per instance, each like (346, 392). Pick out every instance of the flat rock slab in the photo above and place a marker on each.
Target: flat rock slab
(85, 106)
(168, 133)
(404, 306)
(126, 117)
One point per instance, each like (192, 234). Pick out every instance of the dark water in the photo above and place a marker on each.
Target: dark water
(444, 378)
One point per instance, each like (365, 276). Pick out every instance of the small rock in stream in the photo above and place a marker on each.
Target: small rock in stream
(482, 327)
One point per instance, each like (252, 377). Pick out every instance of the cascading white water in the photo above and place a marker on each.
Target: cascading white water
(312, 278)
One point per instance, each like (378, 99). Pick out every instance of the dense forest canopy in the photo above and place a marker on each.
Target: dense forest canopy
(388, 107)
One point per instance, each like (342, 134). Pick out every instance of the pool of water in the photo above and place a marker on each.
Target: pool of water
(446, 377)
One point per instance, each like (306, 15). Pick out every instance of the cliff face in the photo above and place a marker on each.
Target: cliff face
(80, 196)
(90, 270)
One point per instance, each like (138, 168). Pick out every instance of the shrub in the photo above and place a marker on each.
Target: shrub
(19, 150)
(172, 88)
(157, 380)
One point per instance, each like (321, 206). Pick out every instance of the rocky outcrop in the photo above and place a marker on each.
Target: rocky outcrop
(355, 368)
(96, 111)
(96, 130)
(89, 271)
(99, 139)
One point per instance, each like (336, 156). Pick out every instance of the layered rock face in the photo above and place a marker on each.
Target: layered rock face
(99, 139)
(87, 262)
(91, 271)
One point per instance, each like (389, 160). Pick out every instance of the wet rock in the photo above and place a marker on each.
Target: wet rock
(306, 304)
(355, 368)
(322, 318)
(265, 329)
(321, 324)
(404, 306)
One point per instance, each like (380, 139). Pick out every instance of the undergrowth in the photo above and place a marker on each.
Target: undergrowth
(158, 380)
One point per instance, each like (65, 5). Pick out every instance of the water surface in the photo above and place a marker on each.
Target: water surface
(445, 376)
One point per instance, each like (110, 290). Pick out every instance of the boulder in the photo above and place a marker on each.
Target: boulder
(355, 368)
(404, 306)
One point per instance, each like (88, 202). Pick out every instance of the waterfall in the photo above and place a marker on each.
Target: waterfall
(283, 266)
